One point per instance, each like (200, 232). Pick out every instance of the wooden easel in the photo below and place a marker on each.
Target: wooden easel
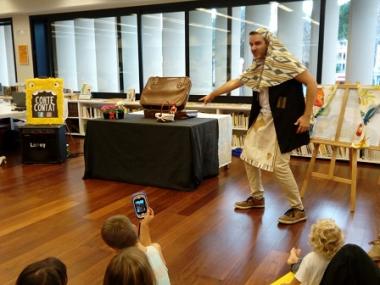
(353, 155)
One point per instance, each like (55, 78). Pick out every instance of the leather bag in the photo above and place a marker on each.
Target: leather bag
(163, 92)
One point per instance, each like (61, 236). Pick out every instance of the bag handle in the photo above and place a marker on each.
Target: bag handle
(179, 85)
(162, 118)
(172, 107)
(162, 106)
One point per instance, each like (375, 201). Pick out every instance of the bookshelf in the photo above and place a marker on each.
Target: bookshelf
(238, 112)
(72, 121)
(80, 111)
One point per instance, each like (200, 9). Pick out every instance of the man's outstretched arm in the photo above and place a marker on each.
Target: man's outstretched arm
(225, 88)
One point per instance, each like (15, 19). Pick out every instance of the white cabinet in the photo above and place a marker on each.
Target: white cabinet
(80, 111)
(239, 114)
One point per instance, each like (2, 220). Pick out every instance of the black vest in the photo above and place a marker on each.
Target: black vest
(287, 104)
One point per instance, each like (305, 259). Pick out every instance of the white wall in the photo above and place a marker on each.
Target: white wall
(21, 33)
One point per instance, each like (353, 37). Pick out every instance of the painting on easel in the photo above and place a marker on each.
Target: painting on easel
(345, 117)
(341, 105)
(370, 110)
(347, 113)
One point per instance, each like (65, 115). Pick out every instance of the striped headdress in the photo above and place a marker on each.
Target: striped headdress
(279, 65)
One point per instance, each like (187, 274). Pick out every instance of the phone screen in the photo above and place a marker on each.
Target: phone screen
(140, 205)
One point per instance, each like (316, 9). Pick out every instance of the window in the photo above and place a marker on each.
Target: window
(350, 54)
(376, 68)
(296, 24)
(130, 55)
(7, 59)
(163, 44)
(344, 11)
(105, 52)
(244, 20)
(208, 49)
(86, 52)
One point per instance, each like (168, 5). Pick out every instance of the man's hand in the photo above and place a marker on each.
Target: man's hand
(207, 99)
(303, 124)
(225, 88)
(148, 217)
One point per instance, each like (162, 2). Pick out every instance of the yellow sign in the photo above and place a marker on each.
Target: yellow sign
(44, 101)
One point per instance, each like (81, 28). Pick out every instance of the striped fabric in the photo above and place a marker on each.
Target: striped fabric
(279, 65)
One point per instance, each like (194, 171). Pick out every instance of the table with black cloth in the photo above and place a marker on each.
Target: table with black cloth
(176, 155)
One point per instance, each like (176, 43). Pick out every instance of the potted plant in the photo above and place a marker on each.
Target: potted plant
(113, 112)
(109, 111)
(120, 110)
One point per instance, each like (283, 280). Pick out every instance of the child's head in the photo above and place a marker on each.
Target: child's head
(326, 237)
(129, 267)
(118, 232)
(50, 271)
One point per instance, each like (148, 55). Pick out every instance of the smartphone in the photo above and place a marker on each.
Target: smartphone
(140, 204)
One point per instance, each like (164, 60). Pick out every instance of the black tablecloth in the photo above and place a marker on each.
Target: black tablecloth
(175, 155)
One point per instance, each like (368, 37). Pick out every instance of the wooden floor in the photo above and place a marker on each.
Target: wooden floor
(48, 210)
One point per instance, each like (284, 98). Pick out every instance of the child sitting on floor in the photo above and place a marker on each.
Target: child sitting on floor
(129, 267)
(326, 238)
(49, 271)
(119, 233)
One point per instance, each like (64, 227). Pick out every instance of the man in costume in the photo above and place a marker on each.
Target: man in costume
(279, 119)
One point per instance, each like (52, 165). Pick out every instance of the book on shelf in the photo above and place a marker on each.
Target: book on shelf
(72, 125)
(72, 108)
(240, 120)
(89, 112)
(238, 140)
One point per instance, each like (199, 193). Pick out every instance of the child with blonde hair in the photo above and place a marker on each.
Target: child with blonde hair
(325, 238)
(129, 267)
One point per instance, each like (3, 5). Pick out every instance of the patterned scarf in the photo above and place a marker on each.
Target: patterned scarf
(279, 65)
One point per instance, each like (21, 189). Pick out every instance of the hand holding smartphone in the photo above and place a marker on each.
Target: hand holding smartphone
(140, 204)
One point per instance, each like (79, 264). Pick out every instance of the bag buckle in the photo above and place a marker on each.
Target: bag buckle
(155, 81)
